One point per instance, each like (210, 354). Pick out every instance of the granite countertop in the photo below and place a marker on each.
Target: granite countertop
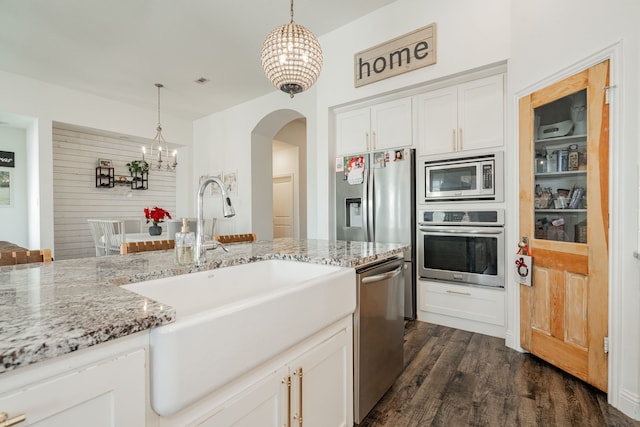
(47, 310)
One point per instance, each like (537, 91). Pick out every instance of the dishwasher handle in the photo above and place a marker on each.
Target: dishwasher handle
(383, 276)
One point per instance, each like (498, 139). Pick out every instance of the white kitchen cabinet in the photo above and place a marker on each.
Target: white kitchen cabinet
(379, 127)
(67, 392)
(262, 404)
(320, 383)
(461, 118)
(471, 308)
(313, 381)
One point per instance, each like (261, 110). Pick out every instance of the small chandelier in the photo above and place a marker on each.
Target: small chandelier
(160, 148)
(291, 57)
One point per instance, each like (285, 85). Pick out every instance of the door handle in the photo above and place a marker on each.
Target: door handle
(454, 140)
(383, 276)
(287, 381)
(5, 421)
(458, 231)
(298, 372)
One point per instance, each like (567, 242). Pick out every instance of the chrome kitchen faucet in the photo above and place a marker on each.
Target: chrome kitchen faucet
(227, 211)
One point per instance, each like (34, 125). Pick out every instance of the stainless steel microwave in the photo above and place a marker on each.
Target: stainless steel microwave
(464, 178)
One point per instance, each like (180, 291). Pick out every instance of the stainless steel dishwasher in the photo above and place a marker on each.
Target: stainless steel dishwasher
(378, 333)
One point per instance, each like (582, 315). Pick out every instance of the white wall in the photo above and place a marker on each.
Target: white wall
(43, 103)
(223, 141)
(75, 156)
(551, 38)
(14, 217)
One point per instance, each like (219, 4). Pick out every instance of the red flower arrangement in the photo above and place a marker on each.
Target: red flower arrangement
(156, 215)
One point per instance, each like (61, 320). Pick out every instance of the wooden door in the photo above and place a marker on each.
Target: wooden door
(283, 206)
(563, 316)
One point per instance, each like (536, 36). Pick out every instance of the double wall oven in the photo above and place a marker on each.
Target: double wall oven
(462, 246)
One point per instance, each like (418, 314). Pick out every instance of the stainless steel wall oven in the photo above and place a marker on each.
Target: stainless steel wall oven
(464, 247)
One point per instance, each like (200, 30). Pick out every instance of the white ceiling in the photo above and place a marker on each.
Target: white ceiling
(120, 48)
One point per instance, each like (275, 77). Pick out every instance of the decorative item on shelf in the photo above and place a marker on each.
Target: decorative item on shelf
(578, 112)
(158, 145)
(139, 170)
(105, 177)
(155, 215)
(291, 57)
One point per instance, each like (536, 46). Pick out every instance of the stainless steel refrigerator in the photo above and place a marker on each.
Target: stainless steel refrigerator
(375, 202)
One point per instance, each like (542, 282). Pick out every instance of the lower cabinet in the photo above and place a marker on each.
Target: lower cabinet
(470, 308)
(310, 385)
(75, 392)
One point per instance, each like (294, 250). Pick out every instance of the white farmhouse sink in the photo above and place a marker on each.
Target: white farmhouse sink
(232, 319)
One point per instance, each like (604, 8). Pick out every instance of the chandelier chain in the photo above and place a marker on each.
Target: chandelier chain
(159, 85)
(291, 11)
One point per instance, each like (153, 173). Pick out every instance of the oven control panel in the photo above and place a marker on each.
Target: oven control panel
(475, 217)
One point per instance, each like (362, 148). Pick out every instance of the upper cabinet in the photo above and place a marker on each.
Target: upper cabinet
(379, 127)
(469, 116)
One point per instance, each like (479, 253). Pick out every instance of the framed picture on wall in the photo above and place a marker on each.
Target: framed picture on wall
(213, 189)
(231, 181)
(5, 189)
(104, 163)
(7, 159)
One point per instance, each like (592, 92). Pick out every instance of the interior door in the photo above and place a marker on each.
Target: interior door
(283, 206)
(563, 316)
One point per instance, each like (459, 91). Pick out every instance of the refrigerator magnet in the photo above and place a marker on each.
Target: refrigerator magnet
(379, 160)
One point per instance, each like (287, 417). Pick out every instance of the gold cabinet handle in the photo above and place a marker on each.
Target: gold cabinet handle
(366, 140)
(454, 142)
(5, 421)
(299, 374)
(287, 381)
(373, 140)
(460, 137)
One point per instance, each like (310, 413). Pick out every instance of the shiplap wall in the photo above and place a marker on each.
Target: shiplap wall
(76, 198)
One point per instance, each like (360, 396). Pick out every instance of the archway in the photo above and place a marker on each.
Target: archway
(262, 138)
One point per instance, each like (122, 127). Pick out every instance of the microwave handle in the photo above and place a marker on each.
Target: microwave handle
(460, 231)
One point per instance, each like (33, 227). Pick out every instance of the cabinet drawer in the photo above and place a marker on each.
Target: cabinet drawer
(464, 302)
(108, 393)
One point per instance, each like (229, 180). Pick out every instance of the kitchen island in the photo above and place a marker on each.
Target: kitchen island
(52, 309)
(81, 341)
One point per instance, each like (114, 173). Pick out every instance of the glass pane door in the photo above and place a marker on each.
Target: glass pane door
(560, 169)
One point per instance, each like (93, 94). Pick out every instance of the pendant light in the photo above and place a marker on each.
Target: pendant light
(159, 146)
(291, 57)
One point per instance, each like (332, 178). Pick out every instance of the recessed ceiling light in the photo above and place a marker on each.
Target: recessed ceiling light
(202, 80)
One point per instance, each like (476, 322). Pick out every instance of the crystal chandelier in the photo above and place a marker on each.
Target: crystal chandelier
(160, 148)
(291, 57)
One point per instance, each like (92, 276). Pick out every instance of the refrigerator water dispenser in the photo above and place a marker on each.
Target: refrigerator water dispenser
(353, 212)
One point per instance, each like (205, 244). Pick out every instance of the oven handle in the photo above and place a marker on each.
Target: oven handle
(462, 231)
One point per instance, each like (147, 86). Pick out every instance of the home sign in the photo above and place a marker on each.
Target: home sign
(7, 159)
(406, 53)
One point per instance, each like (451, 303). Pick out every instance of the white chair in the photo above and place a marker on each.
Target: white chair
(132, 225)
(107, 235)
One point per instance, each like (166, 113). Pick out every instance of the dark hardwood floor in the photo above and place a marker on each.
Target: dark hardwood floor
(458, 378)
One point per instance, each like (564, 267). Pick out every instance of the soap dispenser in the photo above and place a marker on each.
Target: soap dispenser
(185, 245)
